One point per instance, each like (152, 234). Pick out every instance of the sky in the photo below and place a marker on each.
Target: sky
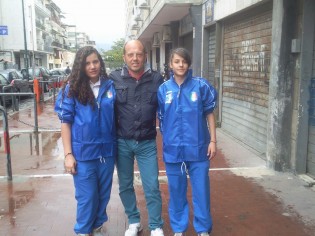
(102, 20)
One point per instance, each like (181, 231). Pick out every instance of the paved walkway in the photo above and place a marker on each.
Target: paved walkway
(247, 198)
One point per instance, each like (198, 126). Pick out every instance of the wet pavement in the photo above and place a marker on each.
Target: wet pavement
(247, 198)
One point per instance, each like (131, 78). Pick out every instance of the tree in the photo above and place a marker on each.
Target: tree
(115, 53)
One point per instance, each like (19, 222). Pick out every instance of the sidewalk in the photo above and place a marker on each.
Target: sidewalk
(247, 198)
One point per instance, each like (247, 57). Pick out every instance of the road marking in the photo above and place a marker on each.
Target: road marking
(135, 172)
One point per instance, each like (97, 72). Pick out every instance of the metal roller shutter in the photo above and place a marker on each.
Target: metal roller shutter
(245, 76)
(212, 56)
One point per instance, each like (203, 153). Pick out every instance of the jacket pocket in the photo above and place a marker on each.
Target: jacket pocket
(121, 94)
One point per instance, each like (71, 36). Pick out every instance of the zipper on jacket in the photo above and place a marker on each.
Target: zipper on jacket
(99, 113)
(98, 101)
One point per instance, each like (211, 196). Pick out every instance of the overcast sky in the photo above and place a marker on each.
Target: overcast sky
(102, 20)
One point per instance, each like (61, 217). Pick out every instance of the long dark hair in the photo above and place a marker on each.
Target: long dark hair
(79, 82)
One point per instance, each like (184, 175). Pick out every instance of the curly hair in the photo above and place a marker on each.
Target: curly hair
(78, 80)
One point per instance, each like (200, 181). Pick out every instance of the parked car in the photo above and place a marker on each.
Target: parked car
(30, 81)
(41, 73)
(5, 100)
(59, 74)
(12, 76)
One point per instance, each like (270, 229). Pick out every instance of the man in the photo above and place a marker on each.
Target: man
(136, 105)
(68, 70)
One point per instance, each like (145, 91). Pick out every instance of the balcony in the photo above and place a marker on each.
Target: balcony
(41, 9)
(40, 45)
(56, 44)
(40, 24)
(143, 4)
(162, 12)
(57, 29)
(47, 45)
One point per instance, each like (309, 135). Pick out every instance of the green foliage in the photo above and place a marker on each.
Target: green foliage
(115, 53)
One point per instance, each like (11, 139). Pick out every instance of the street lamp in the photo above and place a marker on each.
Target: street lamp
(25, 42)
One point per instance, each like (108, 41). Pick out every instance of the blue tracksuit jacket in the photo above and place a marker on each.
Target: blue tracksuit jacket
(182, 113)
(93, 133)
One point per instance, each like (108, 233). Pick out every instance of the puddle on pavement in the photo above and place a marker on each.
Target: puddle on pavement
(31, 152)
(25, 119)
(14, 196)
(43, 143)
(31, 155)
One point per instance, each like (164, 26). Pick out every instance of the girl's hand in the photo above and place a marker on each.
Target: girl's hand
(212, 150)
(70, 164)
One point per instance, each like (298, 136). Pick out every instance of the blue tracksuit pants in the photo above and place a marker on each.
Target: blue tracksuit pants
(178, 205)
(93, 184)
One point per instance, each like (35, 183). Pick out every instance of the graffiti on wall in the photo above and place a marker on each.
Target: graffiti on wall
(253, 59)
(246, 60)
(249, 57)
(246, 71)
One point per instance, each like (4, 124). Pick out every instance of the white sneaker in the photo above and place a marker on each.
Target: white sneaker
(98, 232)
(133, 229)
(178, 234)
(157, 232)
(203, 234)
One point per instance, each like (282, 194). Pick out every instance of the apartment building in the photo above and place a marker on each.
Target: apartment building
(259, 54)
(39, 37)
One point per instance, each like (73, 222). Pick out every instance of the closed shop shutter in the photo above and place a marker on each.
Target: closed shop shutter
(245, 77)
(310, 168)
(212, 56)
(211, 67)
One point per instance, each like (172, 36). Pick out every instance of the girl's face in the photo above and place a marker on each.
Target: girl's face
(93, 67)
(179, 66)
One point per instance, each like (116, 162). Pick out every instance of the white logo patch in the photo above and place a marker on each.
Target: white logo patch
(109, 94)
(169, 97)
(193, 96)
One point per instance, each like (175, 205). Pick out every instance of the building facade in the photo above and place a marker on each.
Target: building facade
(36, 35)
(259, 55)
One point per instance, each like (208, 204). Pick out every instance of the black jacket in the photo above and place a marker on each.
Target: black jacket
(136, 104)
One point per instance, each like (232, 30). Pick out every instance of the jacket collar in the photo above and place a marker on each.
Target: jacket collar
(125, 73)
(105, 83)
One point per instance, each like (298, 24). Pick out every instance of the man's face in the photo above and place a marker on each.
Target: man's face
(134, 56)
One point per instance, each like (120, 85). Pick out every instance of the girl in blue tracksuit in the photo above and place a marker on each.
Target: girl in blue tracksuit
(85, 107)
(187, 124)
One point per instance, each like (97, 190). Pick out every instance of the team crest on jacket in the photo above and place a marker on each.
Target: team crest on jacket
(193, 96)
(109, 94)
(169, 97)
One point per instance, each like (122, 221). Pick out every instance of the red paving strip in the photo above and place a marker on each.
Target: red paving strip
(239, 206)
(46, 206)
